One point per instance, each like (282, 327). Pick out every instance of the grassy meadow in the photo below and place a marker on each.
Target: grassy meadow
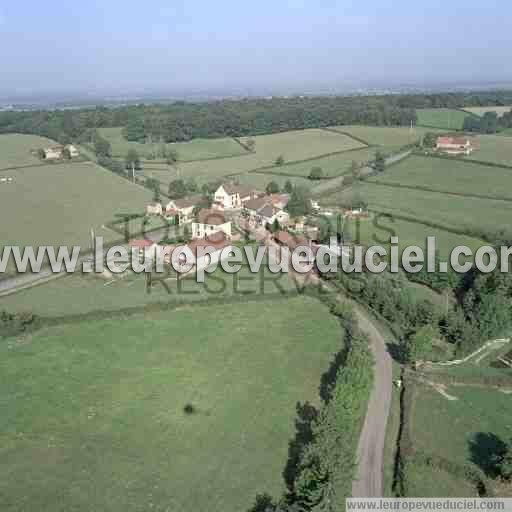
(444, 118)
(392, 137)
(493, 148)
(197, 149)
(59, 204)
(473, 215)
(17, 150)
(451, 176)
(92, 415)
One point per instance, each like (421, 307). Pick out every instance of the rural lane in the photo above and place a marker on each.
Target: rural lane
(370, 450)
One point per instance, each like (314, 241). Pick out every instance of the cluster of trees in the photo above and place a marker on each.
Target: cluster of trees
(488, 123)
(13, 324)
(181, 188)
(182, 121)
(483, 309)
(300, 202)
(322, 457)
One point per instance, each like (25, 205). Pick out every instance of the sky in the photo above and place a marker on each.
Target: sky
(118, 47)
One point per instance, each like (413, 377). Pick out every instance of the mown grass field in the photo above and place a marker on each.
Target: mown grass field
(294, 146)
(332, 166)
(378, 230)
(92, 414)
(474, 419)
(16, 150)
(78, 294)
(493, 148)
(392, 137)
(452, 176)
(59, 204)
(480, 111)
(472, 215)
(197, 149)
(260, 181)
(444, 118)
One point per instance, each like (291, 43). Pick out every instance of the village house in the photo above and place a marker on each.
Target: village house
(182, 208)
(73, 151)
(232, 197)
(454, 145)
(154, 209)
(263, 210)
(147, 248)
(292, 242)
(53, 153)
(210, 222)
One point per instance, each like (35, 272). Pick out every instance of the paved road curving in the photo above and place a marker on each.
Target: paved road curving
(368, 480)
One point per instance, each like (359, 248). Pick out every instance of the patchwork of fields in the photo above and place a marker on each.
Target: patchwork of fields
(450, 176)
(444, 118)
(197, 149)
(92, 415)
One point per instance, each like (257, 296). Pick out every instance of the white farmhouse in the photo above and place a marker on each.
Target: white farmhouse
(210, 222)
(232, 197)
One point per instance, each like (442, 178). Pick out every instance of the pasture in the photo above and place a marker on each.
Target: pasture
(78, 293)
(480, 111)
(18, 150)
(493, 148)
(93, 415)
(444, 118)
(380, 228)
(197, 149)
(260, 181)
(59, 204)
(391, 137)
(468, 214)
(450, 176)
(293, 146)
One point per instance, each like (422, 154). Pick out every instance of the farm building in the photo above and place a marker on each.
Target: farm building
(53, 153)
(210, 222)
(154, 209)
(263, 210)
(454, 145)
(182, 208)
(232, 197)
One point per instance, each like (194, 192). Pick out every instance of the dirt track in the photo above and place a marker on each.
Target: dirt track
(368, 480)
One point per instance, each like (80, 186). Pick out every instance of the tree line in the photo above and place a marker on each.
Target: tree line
(181, 121)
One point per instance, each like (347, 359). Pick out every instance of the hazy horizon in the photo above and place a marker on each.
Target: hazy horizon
(115, 48)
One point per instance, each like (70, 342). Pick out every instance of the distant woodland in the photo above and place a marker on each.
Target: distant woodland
(182, 121)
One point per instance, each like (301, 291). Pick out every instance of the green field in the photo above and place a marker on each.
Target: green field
(493, 148)
(197, 149)
(92, 414)
(16, 150)
(444, 175)
(260, 181)
(480, 111)
(332, 166)
(59, 204)
(476, 411)
(378, 230)
(82, 294)
(451, 212)
(294, 146)
(393, 137)
(444, 118)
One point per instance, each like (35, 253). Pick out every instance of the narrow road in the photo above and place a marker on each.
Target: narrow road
(370, 451)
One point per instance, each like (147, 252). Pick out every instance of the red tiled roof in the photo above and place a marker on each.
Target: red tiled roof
(458, 141)
(141, 244)
(211, 217)
(217, 241)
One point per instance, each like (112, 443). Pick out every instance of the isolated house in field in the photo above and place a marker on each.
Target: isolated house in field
(232, 197)
(154, 209)
(210, 222)
(73, 151)
(53, 153)
(454, 145)
(182, 208)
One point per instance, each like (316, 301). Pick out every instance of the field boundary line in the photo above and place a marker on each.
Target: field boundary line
(48, 164)
(428, 189)
(347, 134)
(485, 163)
